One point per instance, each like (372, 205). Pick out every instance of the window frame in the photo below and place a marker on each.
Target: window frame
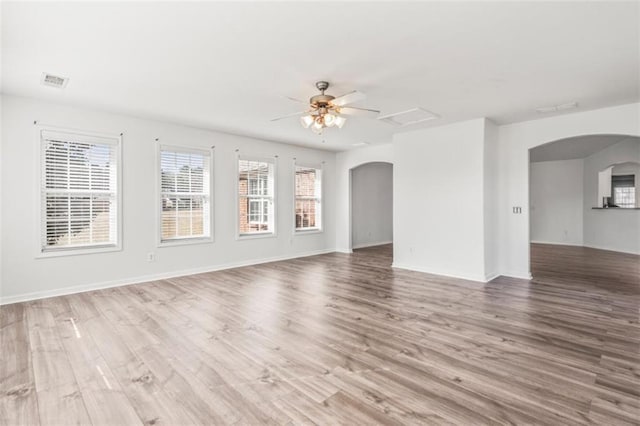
(261, 214)
(316, 229)
(40, 252)
(633, 189)
(160, 243)
(274, 198)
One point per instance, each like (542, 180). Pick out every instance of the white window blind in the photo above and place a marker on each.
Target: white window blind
(79, 191)
(308, 197)
(255, 196)
(623, 190)
(185, 193)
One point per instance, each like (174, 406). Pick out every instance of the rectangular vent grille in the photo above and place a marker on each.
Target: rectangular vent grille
(409, 117)
(554, 108)
(54, 80)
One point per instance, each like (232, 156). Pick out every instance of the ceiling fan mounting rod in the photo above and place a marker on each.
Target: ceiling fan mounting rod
(322, 86)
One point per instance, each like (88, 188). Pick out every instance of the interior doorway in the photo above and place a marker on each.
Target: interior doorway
(584, 197)
(371, 205)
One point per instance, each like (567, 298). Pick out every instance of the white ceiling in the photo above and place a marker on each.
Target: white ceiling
(575, 148)
(226, 65)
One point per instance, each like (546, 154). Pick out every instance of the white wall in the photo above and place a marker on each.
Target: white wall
(24, 276)
(491, 202)
(557, 202)
(611, 229)
(345, 161)
(515, 140)
(439, 200)
(1, 195)
(372, 204)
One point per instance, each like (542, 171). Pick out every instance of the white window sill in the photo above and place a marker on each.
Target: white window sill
(256, 235)
(309, 231)
(185, 242)
(77, 251)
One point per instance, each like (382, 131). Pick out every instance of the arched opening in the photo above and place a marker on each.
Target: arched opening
(584, 196)
(371, 205)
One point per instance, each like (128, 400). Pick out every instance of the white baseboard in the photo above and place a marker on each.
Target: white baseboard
(154, 277)
(344, 250)
(556, 243)
(519, 275)
(451, 274)
(491, 276)
(378, 243)
(599, 247)
(611, 249)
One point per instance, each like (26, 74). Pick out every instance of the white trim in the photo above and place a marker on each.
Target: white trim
(183, 149)
(310, 165)
(256, 235)
(147, 278)
(158, 172)
(84, 137)
(615, 249)
(308, 231)
(318, 229)
(598, 247)
(518, 275)
(78, 251)
(557, 243)
(377, 243)
(40, 129)
(185, 242)
(491, 276)
(452, 274)
(273, 233)
(344, 250)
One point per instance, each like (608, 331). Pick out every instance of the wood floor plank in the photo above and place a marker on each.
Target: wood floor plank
(336, 339)
(59, 398)
(103, 396)
(18, 401)
(151, 402)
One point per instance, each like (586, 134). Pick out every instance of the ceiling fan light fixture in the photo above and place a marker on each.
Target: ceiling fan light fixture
(329, 120)
(325, 110)
(306, 121)
(317, 129)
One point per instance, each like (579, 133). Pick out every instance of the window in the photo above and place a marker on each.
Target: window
(623, 190)
(79, 191)
(308, 190)
(185, 179)
(255, 196)
(258, 212)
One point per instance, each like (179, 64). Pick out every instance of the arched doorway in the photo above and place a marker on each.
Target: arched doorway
(583, 195)
(371, 204)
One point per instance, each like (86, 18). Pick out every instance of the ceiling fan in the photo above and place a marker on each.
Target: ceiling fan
(326, 110)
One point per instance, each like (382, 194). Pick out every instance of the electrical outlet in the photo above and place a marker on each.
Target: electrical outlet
(151, 257)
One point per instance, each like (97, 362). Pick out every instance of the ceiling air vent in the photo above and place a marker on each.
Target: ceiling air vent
(54, 80)
(409, 117)
(554, 108)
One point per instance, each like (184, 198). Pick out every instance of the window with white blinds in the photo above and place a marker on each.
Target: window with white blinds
(623, 190)
(256, 212)
(79, 191)
(308, 197)
(185, 179)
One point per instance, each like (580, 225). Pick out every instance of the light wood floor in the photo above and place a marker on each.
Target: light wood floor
(334, 339)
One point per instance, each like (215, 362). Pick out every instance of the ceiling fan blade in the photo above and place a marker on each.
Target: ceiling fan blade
(294, 114)
(362, 112)
(349, 98)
